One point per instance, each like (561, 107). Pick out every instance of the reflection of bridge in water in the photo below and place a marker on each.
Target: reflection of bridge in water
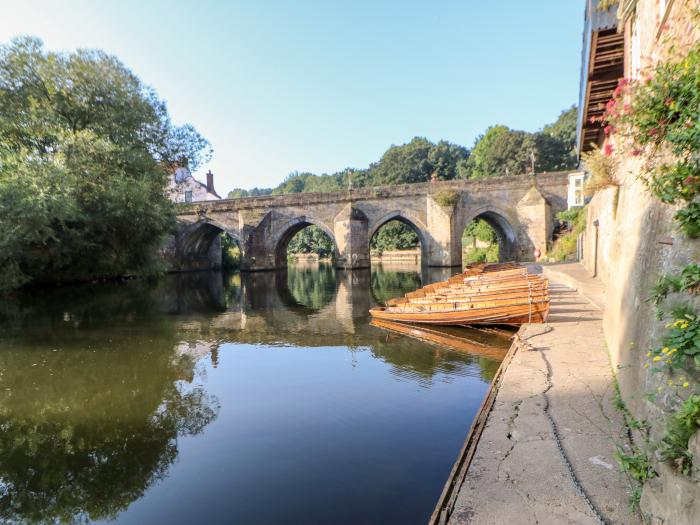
(300, 305)
(315, 306)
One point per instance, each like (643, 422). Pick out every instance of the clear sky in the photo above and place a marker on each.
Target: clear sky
(296, 85)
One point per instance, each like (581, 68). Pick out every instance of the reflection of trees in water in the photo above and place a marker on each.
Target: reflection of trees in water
(103, 378)
(312, 285)
(92, 410)
(232, 290)
(387, 284)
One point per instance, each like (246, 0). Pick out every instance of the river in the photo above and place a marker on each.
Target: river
(228, 398)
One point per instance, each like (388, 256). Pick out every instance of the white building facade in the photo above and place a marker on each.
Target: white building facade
(575, 189)
(183, 187)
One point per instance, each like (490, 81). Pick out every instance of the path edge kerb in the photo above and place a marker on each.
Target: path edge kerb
(446, 502)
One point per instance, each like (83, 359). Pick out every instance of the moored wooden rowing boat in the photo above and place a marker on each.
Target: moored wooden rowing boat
(510, 313)
(483, 294)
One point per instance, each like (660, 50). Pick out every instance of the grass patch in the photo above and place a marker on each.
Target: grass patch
(565, 245)
(448, 199)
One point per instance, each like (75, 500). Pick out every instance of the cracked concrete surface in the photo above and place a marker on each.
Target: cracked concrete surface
(517, 475)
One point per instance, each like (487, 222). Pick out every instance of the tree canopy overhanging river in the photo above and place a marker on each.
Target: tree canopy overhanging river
(241, 398)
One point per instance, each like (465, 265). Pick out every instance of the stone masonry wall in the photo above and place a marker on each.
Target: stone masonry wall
(520, 208)
(638, 241)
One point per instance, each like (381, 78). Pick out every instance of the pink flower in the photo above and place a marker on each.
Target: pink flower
(611, 104)
(636, 152)
(623, 82)
(608, 150)
(608, 129)
(688, 180)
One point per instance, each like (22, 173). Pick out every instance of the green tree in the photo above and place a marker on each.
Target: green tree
(394, 235)
(238, 193)
(500, 151)
(311, 239)
(84, 149)
(417, 161)
(504, 151)
(479, 230)
(564, 128)
(557, 142)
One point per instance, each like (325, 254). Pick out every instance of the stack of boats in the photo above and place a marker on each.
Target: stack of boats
(484, 294)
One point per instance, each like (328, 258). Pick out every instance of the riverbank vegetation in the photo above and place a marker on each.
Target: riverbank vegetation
(230, 253)
(573, 223)
(84, 149)
(479, 242)
(312, 239)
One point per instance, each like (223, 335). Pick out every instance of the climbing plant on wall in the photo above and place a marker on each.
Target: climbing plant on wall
(657, 118)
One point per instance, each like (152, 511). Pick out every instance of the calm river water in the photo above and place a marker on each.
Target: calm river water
(210, 398)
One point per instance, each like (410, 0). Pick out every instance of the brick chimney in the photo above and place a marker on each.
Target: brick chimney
(210, 182)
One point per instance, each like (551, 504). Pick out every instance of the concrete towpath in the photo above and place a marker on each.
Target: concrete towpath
(517, 475)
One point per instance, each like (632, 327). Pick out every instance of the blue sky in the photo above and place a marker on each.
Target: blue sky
(282, 86)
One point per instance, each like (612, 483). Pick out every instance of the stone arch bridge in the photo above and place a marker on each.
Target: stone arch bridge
(520, 209)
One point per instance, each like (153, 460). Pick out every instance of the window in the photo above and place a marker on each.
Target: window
(188, 196)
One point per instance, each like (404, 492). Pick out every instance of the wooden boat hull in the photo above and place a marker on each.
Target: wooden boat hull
(483, 294)
(514, 314)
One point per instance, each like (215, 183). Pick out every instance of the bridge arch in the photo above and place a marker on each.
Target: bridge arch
(411, 221)
(503, 226)
(198, 246)
(286, 232)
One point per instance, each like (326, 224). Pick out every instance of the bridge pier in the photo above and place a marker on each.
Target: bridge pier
(442, 244)
(351, 229)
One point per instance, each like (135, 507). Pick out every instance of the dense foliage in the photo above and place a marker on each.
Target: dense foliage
(84, 148)
(238, 193)
(479, 230)
(658, 118)
(230, 253)
(574, 223)
(681, 340)
(418, 161)
(312, 239)
(680, 428)
(394, 235)
(503, 151)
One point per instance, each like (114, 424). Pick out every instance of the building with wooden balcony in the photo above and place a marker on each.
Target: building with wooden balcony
(602, 66)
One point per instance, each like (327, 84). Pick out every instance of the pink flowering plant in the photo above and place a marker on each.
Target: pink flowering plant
(659, 117)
